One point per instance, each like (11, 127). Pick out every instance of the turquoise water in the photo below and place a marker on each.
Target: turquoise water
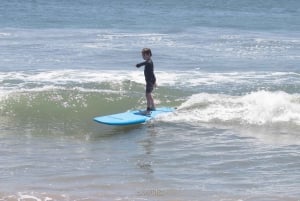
(230, 67)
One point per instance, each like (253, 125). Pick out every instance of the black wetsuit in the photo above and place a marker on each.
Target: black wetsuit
(149, 74)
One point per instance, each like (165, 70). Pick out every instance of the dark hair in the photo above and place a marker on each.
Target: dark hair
(147, 51)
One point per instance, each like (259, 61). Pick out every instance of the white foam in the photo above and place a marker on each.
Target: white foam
(4, 34)
(27, 197)
(256, 108)
(40, 80)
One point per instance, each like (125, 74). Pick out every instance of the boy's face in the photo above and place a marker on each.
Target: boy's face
(146, 56)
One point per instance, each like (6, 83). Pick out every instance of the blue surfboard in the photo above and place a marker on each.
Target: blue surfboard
(131, 117)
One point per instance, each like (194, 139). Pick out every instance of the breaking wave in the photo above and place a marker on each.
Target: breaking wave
(255, 108)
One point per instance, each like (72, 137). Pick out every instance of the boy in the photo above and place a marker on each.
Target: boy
(149, 77)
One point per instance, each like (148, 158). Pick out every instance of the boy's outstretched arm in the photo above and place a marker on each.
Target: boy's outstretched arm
(141, 64)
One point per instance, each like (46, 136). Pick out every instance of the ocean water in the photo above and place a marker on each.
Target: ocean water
(231, 68)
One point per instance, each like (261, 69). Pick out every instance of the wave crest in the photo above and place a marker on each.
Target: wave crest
(256, 108)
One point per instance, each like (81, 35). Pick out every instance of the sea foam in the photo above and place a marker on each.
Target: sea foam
(255, 108)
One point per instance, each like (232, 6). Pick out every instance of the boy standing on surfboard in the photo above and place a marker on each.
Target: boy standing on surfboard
(149, 77)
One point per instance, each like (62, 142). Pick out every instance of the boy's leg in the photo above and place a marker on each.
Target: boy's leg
(150, 101)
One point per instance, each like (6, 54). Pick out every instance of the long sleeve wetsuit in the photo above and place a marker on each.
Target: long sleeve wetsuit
(148, 71)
